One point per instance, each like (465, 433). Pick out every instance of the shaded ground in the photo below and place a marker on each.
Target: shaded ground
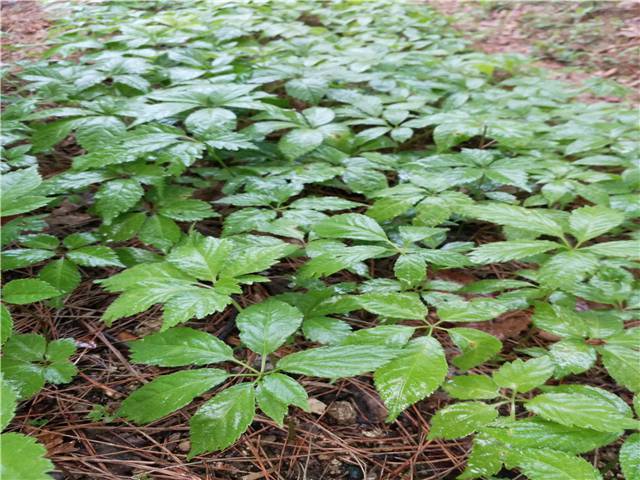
(579, 40)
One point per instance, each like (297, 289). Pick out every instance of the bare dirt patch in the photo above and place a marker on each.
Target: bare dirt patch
(576, 40)
(24, 30)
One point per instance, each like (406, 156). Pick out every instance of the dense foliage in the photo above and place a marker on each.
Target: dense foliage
(364, 153)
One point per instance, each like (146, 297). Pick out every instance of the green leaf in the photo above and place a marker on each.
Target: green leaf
(202, 258)
(337, 362)
(8, 403)
(28, 362)
(192, 302)
(276, 392)
(255, 259)
(62, 274)
(29, 290)
(40, 240)
(559, 320)
(472, 387)
(461, 419)
(413, 375)
(168, 393)
(116, 197)
(496, 252)
(476, 310)
(572, 356)
(6, 324)
(23, 458)
(586, 143)
(623, 364)
(547, 464)
(323, 204)
(265, 326)
(485, 459)
(630, 457)
(410, 269)
(187, 210)
(619, 248)
(579, 410)
(95, 256)
(590, 222)
(17, 192)
(211, 119)
(534, 220)
(178, 347)
(325, 330)
(219, 422)
(332, 262)
(309, 89)
(566, 268)
(23, 257)
(384, 335)
(352, 226)
(535, 432)
(161, 232)
(300, 141)
(477, 347)
(406, 306)
(524, 376)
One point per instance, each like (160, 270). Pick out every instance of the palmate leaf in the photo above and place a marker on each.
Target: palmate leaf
(276, 392)
(630, 457)
(180, 346)
(524, 376)
(266, 326)
(476, 347)
(116, 197)
(299, 142)
(535, 220)
(23, 457)
(406, 306)
(28, 362)
(590, 222)
(203, 257)
(472, 387)
(337, 362)
(176, 282)
(18, 192)
(8, 403)
(169, 393)
(27, 290)
(496, 252)
(352, 226)
(413, 375)
(219, 422)
(579, 410)
(461, 419)
(549, 464)
(536, 432)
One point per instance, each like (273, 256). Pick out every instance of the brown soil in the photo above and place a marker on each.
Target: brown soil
(24, 30)
(610, 50)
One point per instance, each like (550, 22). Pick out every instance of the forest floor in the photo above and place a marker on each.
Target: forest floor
(594, 41)
(344, 436)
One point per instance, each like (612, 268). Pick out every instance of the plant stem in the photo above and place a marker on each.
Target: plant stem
(246, 365)
(237, 305)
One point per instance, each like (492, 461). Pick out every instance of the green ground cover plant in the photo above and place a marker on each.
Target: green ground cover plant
(364, 152)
